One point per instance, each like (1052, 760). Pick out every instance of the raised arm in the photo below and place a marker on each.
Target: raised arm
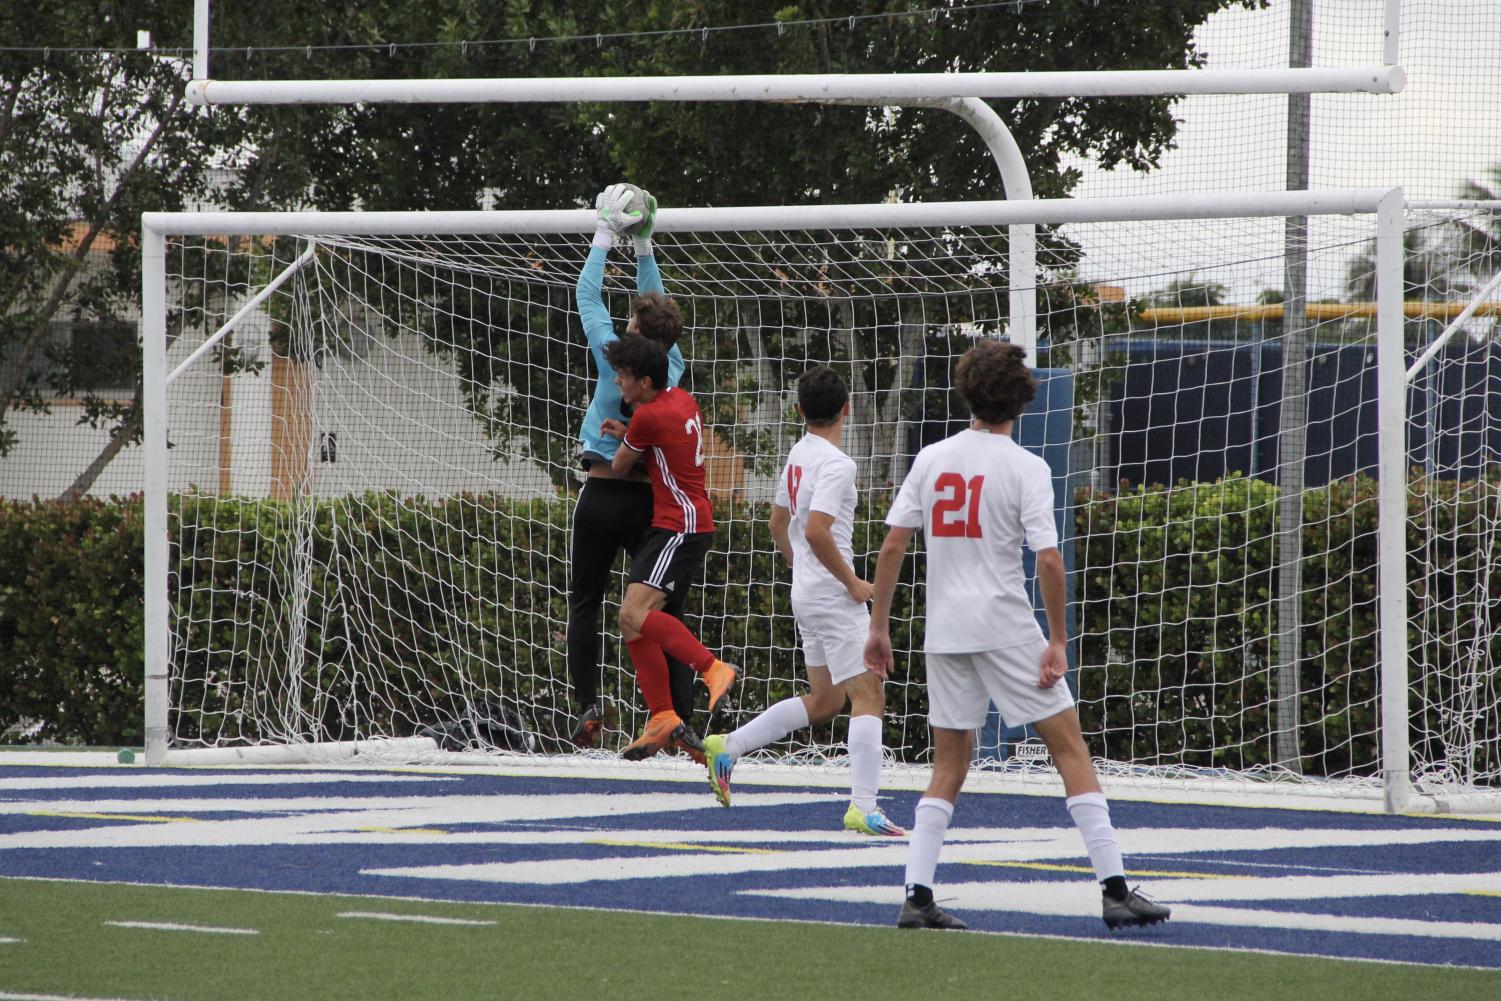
(649, 279)
(648, 276)
(588, 292)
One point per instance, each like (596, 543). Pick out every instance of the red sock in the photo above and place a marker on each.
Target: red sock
(651, 674)
(675, 638)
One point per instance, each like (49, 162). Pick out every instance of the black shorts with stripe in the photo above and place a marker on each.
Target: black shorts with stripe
(669, 561)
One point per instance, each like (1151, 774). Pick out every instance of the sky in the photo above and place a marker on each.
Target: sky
(1442, 129)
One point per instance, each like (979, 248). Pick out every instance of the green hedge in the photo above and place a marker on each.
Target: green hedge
(71, 620)
(1179, 619)
(410, 606)
(413, 604)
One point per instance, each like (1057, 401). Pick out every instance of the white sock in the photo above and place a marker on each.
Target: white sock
(932, 821)
(865, 761)
(774, 724)
(1091, 815)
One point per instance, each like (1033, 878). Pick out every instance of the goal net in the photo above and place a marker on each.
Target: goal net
(370, 477)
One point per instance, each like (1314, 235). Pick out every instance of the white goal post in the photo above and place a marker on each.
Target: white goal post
(363, 547)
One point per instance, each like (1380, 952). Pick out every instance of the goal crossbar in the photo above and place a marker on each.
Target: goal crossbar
(1047, 211)
(888, 88)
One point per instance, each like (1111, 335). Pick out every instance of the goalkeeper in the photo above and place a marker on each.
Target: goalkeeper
(614, 510)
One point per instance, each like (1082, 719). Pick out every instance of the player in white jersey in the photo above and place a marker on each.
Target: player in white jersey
(976, 497)
(813, 522)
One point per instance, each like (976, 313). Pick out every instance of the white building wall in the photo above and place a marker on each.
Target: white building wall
(399, 416)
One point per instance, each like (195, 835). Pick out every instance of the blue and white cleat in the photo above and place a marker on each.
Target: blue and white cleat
(720, 766)
(874, 822)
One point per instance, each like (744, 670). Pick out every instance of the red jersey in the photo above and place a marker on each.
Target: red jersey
(670, 430)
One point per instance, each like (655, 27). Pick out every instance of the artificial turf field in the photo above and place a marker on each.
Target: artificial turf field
(308, 946)
(268, 884)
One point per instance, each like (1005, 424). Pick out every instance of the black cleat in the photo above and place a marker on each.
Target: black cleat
(685, 740)
(931, 916)
(588, 726)
(1135, 910)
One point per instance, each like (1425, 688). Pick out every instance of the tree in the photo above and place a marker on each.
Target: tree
(88, 140)
(1427, 268)
(1476, 240)
(1190, 291)
(551, 155)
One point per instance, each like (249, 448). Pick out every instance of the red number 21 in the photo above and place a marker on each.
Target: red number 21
(956, 498)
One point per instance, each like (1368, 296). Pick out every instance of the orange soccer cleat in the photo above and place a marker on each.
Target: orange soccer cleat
(719, 678)
(662, 730)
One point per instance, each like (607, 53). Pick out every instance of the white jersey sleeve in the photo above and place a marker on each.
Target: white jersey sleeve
(1037, 507)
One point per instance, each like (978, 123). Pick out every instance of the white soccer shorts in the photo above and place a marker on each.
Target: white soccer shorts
(961, 687)
(834, 630)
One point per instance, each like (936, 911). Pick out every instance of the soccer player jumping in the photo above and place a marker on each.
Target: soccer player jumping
(812, 522)
(977, 496)
(666, 428)
(614, 509)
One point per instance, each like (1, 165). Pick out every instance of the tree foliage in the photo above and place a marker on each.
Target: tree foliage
(93, 139)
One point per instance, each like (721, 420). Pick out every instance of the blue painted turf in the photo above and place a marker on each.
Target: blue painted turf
(345, 826)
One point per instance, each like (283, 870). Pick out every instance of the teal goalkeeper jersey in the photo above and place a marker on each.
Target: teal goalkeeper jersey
(600, 330)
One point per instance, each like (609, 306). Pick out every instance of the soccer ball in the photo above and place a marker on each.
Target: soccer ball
(628, 222)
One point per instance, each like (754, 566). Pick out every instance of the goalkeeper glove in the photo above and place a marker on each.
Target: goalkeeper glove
(620, 207)
(642, 237)
(604, 232)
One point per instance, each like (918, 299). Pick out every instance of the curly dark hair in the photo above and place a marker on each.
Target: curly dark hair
(657, 318)
(637, 356)
(822, 395)
(994, 380)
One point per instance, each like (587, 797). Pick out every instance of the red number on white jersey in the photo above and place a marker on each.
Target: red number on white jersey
(956, 498)
(794, 480)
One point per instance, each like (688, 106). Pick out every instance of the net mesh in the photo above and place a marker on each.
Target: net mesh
(371, 510)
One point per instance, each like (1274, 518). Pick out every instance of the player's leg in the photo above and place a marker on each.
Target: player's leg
(1090, 812)
(867, 710)
(672, 563)
(664, 727)
(1011, 679)
(844, 625)
(956, 708)
(590, 560)
(680, 676)
(951, 751)
(635, 519)
(822, 702)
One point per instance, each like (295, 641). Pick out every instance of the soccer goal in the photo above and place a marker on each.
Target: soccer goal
(362, 463)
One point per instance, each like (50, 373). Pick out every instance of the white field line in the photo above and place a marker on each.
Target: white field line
(167, 926)
(52, 997)
(199, 778)
(426, 919)
(10, 941)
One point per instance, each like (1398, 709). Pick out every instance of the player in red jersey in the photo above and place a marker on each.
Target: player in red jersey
(667, 428)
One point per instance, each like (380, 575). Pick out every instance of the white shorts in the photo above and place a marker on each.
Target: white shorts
(961, 687)
(834, 631)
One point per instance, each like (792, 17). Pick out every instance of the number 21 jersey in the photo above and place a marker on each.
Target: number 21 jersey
(976, 497)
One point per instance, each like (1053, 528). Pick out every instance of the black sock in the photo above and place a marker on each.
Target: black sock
(919, 895)
(1115, 887)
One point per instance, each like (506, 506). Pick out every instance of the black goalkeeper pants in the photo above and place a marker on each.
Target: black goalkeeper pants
(611, 516)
